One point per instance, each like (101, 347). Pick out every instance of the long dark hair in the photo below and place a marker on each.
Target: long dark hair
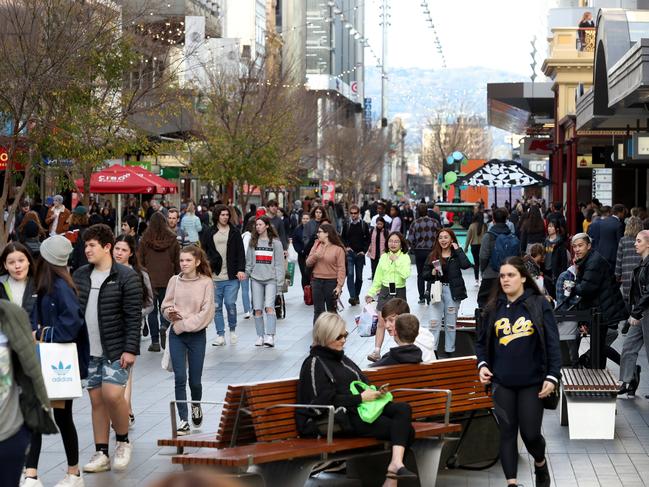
(334, 238)
(534, 221)
(158, 229)
(519, 264)
(436, 253)
(478, 219)
(272, 233)
(134, 262)
(46, 275)
(16, 247)
(198, 254)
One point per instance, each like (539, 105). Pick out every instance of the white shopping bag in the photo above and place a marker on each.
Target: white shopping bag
(436, 292)
(368, 321)
(166, 359)
(292, 253)
(60, 367)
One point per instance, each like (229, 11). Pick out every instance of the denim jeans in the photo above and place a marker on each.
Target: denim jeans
(225, 292)
(187, 349)
(245, 295)
(158, 297)
(355, 264)
(637, 336)
(263, 300)
(446, 309)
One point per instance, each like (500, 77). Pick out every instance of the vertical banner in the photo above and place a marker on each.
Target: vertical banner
(328, 191)
(194, 38)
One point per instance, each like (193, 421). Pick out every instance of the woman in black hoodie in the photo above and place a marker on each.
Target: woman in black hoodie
(518, 353)
(325, 377)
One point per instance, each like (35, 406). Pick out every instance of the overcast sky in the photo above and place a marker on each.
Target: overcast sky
(490, 33)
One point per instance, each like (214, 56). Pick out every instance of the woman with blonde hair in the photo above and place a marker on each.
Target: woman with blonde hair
(191, 224)
(639, 320)
(325, 379)
(627, 258)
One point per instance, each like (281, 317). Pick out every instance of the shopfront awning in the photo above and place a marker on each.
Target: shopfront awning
(515, 107)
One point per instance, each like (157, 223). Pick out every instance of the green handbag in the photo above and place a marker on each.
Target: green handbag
(369, 411)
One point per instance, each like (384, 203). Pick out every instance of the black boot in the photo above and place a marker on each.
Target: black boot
(542, 475)
(633, 385)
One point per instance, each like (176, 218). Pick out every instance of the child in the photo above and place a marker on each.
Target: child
(424, 339)
(404, 331)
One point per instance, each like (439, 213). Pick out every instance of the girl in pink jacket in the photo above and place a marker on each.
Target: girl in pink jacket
(189, 307)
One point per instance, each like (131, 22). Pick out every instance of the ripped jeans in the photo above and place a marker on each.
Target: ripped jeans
(445, 310)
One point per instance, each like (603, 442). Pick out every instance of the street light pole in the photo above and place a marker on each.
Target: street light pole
(385, 167)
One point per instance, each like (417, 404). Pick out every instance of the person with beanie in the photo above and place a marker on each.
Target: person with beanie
(56, 317)
(110, 296)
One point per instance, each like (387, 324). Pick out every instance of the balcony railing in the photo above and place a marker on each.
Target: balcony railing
(572, 41)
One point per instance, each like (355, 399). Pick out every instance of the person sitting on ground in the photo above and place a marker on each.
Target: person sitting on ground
(325, 379)
(404, 331)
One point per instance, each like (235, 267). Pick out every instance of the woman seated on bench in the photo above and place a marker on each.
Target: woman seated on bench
(324, 380)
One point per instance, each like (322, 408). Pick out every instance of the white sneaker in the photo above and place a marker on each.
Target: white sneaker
(219, 342)
(259, 342)
(477, 284)
(99, 462)
(233, 338)
(246, 315)
(269, 341)
(71, 481)
(183, 428)
(122, 458)
(30, 482)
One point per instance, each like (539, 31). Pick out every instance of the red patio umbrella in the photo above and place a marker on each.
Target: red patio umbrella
(164, 186)
(119, 180)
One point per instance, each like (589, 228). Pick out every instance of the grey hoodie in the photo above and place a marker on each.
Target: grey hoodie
(266, 261)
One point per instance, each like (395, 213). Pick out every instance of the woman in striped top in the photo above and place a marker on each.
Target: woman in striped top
(265, 268)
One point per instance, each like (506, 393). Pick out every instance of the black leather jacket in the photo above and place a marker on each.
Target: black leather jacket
(639, 297)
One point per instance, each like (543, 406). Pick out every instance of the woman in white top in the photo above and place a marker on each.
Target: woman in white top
(17, 276)
(191, 224)
(245, 284)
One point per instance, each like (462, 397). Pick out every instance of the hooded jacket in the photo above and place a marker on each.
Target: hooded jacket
(639, 295)
(324, 380)
(161, 259)
(597, 288)
(518, 328)
(404, 354)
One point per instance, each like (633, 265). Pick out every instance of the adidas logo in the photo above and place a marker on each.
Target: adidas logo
(62, 372)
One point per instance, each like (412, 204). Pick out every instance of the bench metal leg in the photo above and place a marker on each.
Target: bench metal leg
(427, 454)
(293, 473)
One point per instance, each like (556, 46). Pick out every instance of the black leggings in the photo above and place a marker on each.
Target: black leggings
(516, 409)
(63, 419)
(394, 425)
(475, 252)
(420, 260)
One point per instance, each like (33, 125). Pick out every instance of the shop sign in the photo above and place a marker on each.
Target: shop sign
(603, 185)
(170, 172)
(4, 161)
(143, 164)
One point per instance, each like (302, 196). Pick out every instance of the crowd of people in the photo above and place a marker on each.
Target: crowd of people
(169, 273)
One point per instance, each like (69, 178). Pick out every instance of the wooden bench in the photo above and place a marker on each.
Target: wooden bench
(434, 391)
(588, 401)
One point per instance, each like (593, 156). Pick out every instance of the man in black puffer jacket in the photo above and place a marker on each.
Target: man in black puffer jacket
(110, 296)
(595, 287)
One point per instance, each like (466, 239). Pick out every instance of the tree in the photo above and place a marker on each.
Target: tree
(353, 153)
(47, 48)
(454, 131)
(250, 127)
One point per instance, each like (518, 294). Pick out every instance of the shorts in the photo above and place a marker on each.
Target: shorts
(102, 371)
(384, 296)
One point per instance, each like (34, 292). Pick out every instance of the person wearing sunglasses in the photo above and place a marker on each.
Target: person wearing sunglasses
(325, 377)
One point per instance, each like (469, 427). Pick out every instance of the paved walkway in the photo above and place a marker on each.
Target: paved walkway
(623, 461)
